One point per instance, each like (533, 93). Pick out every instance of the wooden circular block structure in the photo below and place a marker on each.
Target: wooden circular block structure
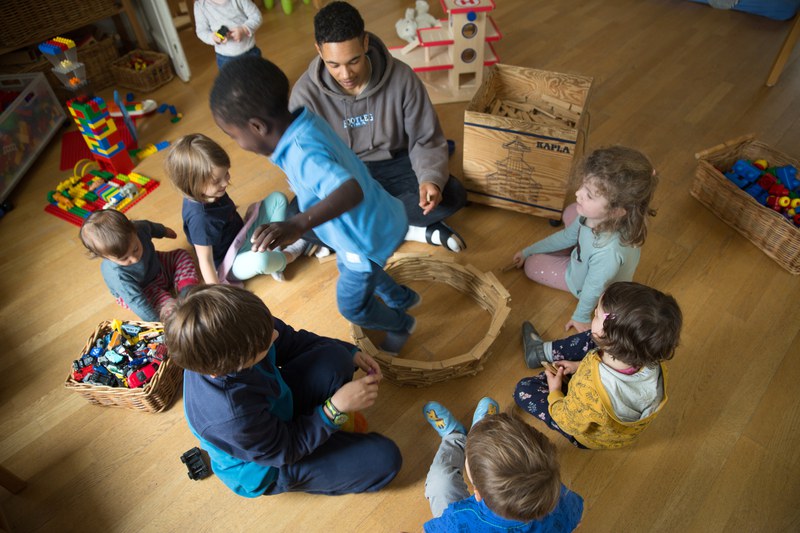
(483, 287)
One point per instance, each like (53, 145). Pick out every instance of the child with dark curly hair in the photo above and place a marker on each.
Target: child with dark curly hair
(618, 383)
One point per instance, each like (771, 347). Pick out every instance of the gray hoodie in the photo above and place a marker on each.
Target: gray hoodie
(392, 115)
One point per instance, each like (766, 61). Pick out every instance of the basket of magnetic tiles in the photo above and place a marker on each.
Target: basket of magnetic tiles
(754, 189)
(125, 364)
(462, 313)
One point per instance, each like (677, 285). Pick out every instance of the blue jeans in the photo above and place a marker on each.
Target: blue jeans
(339, 465)
(224, 60)
(355, 296)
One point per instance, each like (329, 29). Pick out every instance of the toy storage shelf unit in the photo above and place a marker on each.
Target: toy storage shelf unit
(450, 59)
(26, 23)
(524, 130)
(26, 126)
(770, 231)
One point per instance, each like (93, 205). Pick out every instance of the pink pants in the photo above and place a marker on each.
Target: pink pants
(550, 269)
(177, 272)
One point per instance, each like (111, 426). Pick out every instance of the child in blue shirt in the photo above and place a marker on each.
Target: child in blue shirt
(349, 210)
(512, 467)
(139, 277)
(268, 403)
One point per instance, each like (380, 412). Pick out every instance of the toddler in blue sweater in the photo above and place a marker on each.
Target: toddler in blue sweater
(512, 467)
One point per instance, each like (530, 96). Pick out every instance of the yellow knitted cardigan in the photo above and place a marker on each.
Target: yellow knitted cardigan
(586, 412)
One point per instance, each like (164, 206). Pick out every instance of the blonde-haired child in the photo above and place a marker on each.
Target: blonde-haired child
(618, 383)
(141, 278)
(199, 168)
(603, 231)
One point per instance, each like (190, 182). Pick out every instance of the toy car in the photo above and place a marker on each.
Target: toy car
(193, 459)
(141, 376)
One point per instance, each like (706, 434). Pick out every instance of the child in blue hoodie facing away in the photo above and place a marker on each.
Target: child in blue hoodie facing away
(269, 403)
(349, 210)
(513, 469)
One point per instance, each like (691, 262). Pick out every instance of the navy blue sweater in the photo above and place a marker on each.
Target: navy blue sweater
(245, 420)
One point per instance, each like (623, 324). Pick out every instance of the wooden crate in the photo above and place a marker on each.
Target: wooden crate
(523, 132)
(770, 231)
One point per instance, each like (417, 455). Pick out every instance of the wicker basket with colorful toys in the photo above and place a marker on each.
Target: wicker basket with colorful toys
(125, 364)
(754, 189)
(142, 70)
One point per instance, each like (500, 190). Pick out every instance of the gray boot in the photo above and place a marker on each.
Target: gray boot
(533, 345)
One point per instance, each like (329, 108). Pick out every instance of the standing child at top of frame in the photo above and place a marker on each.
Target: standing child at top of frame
(200, 169)
(619, 382)
(140, 277)
(603, 231)
(238, 19)
(349, 210)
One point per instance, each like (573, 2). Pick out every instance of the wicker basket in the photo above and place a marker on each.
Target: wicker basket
(155, 75)
(155, 396)
(776, 236)
(484, 288)
(30, 22)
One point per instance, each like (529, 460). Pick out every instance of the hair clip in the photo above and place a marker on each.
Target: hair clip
(609, 316)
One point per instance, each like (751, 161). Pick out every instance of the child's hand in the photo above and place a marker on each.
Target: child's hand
(429, 197)
(238, 33)
(554, 381)
(356, 395)
(569, 366)
(518, 260)
(580, 327)
(270, 236)
(216, 39)
(366, 363)
(169, 233)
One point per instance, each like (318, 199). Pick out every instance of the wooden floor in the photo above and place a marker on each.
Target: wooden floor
(670, 78)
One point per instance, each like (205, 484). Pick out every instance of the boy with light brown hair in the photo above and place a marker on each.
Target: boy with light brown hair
(514, 471)
(269, 403)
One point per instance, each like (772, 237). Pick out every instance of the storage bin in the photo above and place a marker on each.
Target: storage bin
(26, 126)
(156, 395)
(523, 131)
(770, 231)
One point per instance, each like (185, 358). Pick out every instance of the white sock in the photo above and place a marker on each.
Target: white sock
(417, 234)
(294, 250)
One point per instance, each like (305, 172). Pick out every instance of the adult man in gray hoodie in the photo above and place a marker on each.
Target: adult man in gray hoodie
(379, 106)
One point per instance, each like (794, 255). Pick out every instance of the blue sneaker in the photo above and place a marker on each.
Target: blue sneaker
(442, 421)
(486, 406)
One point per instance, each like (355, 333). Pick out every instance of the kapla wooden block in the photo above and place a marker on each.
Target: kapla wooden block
(524, 130)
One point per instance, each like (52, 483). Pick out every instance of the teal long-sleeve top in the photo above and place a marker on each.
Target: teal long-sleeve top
(596, 261)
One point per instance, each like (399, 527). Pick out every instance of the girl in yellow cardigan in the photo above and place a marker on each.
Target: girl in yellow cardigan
(618, 383)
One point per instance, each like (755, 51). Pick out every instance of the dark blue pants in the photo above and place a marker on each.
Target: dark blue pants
(531, 393)
(399, 180)
(347, 462)
(224, 60)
